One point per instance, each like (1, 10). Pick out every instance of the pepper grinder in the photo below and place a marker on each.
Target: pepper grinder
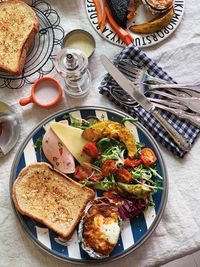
(72, 64)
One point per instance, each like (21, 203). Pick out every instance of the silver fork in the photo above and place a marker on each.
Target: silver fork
(193, 118)
(193, 103)
(138, 77)
(140, 74)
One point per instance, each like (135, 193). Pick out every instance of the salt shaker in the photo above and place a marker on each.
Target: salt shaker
(72, 64)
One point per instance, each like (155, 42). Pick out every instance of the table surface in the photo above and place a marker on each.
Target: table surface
(178, 233)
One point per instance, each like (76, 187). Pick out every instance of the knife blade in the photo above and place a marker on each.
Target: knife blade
(126, 84)
(134, 92)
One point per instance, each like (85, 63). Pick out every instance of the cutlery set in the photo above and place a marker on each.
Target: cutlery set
(182, 100)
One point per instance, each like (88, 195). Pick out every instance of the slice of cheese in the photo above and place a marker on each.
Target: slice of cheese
(72, 139)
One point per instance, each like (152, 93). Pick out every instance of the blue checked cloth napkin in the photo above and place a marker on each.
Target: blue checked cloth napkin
(109, 88)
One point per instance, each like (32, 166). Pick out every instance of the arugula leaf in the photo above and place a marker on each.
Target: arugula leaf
(38, 142)
(66, 117)
(155, 173)
(106, 184)
(138, 149)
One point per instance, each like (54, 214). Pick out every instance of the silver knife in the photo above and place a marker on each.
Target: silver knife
(144, 102)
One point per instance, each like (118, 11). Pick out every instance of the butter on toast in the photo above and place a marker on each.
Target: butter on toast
(18, 27)
(50, 197)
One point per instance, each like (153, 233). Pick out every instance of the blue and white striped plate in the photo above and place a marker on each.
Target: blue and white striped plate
(134, 232)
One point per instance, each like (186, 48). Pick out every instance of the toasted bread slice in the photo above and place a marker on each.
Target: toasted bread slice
(51, 198)
(18, 27)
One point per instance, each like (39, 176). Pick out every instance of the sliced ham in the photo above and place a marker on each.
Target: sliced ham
(57, 153)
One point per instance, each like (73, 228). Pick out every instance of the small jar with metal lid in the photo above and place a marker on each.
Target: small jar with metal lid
(72, 64)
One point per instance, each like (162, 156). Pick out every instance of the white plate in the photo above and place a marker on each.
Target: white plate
(143, 15)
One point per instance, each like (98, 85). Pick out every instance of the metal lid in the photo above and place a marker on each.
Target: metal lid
(80, 39)
(71, 62)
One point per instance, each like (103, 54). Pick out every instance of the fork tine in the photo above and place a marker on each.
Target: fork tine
(131, 63)
(131, 69)
(132, 78)
(128, 73)
(128, 67)
(133, 74)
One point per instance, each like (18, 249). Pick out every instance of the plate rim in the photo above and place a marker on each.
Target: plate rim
(137, 34)
(89, 261)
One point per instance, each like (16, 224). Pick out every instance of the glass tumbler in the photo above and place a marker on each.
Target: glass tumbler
(9, 128)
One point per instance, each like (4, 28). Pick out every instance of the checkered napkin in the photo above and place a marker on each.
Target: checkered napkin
(108, 86)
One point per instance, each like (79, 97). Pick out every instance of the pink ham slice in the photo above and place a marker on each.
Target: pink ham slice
(57, 153)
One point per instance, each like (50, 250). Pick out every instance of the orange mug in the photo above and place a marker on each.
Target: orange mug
(46, 92)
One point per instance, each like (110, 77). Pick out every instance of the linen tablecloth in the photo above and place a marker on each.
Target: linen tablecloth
(178, 233)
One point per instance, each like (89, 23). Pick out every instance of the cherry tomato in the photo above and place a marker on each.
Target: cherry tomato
(91, 150)
(109, 167)
(123, 175)
(132, 162)
(147, 156)
(96, 176)
(82, 172)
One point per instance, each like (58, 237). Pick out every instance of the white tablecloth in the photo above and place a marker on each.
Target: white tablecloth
(178, 233)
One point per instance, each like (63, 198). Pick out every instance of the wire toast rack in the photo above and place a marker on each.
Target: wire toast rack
(39, 61)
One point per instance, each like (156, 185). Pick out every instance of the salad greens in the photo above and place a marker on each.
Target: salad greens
(81, 123)
(38, 142)
(110, 149)
(134, 194)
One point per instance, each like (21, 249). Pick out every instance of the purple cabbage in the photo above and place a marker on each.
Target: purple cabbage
(130, 208)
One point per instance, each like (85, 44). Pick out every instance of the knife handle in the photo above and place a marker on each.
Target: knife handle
(179, 139)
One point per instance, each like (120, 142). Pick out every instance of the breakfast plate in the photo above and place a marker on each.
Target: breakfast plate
(142, 16)
(134, 232)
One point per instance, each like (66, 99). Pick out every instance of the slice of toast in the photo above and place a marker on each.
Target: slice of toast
(18, 27)
(51, 198)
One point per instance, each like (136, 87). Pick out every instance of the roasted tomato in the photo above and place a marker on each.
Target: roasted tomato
(123, 175)
(96, 176)
(147, 156)
(132, 162)
(91, 150)
(82, 172)
(109, 167)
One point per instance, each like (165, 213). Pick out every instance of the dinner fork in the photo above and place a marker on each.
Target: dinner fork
(193, 118)
(138, 75)
(193, 103)
(125, 99)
